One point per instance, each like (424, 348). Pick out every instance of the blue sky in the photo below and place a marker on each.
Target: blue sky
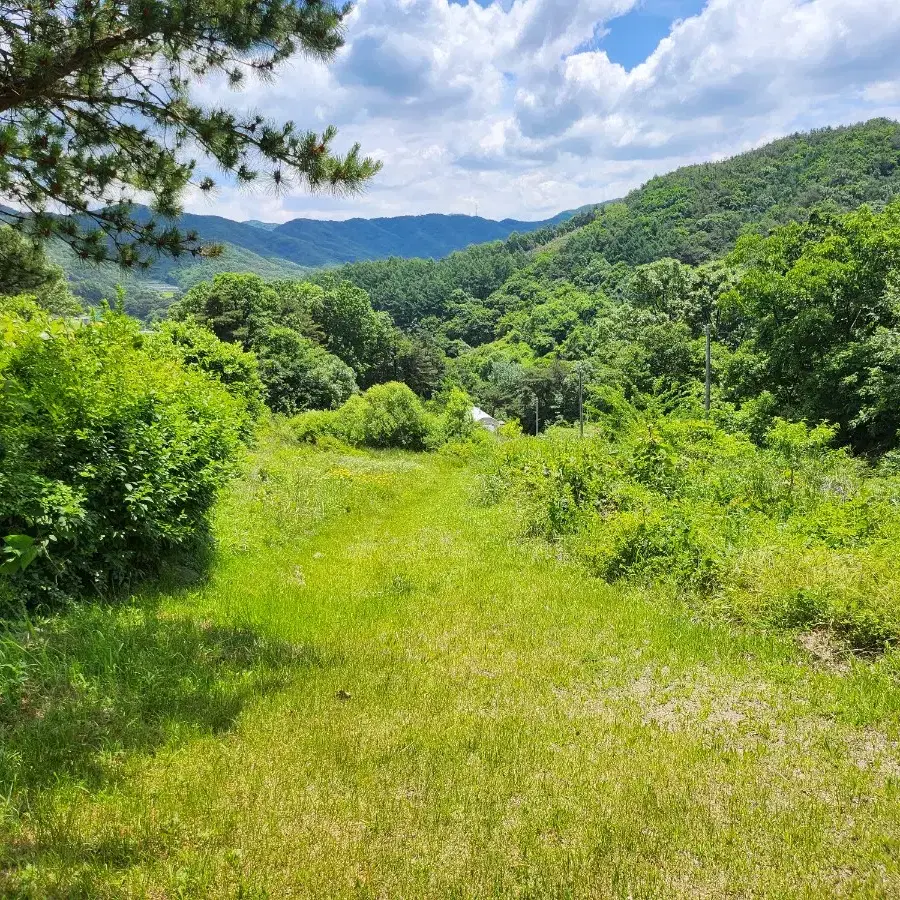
(528, 107)
(632, 37)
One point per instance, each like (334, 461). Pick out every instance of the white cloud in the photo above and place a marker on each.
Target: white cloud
(501, 105)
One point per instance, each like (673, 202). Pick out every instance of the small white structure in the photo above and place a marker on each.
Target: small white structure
(481, 418)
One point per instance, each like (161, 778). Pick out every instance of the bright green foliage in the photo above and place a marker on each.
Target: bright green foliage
(804, 326)
(820, 306)
(795, 534)
(335, 331)
(111, 452)
(394, 417)
(456, 422)
(299, 374)
(95, 98)
(391, 416)
(386, 415)
(198, 347)
(353, 330)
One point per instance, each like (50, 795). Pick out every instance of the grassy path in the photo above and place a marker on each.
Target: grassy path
(383, 692)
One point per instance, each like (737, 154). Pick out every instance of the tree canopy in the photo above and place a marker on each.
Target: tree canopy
(95, 108)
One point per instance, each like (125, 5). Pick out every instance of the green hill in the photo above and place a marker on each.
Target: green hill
(153, 290)
(696, 213)
(693, 214)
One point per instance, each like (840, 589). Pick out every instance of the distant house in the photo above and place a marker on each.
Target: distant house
(484, 420)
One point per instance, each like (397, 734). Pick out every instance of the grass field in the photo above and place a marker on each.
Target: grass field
(382, 690)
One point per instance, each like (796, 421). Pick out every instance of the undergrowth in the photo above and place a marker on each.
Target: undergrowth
(792, 533)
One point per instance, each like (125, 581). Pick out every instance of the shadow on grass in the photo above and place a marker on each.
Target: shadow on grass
(82, 689)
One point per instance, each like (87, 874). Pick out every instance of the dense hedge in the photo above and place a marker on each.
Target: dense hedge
(111, 451)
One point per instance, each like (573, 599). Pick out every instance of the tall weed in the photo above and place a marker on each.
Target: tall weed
(792, 533)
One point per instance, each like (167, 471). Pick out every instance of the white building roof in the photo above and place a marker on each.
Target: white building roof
(484, 419)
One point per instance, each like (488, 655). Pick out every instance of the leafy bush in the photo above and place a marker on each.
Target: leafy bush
(455, 419)
(111, 453)
(673, 543)
(791, 534)
(198, 347)
(386, 415)
(391, 415)
(394, 417)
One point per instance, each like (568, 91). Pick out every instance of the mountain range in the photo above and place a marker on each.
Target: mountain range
(288, 250)
(319, 242)
(314, 242)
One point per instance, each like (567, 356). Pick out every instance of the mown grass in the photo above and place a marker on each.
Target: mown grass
(381, 690)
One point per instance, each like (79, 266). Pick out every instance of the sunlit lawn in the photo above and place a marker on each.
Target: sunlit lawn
(383, 691)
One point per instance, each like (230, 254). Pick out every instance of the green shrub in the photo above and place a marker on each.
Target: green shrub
(385, 416)
(455, 418)
(310, 427)
(394, 417)
(792, 534)
(198, 347)
(111, 453)
(671, 543)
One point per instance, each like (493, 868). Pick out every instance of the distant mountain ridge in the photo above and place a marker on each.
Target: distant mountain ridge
(288, 250)
(320, 242)
(432, 235)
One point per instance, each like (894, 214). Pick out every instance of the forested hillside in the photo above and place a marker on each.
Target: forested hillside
(694, 214)
(411, 265)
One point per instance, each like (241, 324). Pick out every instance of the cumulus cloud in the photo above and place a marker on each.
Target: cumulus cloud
(516, 107)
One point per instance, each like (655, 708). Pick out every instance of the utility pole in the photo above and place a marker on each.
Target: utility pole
(581, 400)
(708, 372)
